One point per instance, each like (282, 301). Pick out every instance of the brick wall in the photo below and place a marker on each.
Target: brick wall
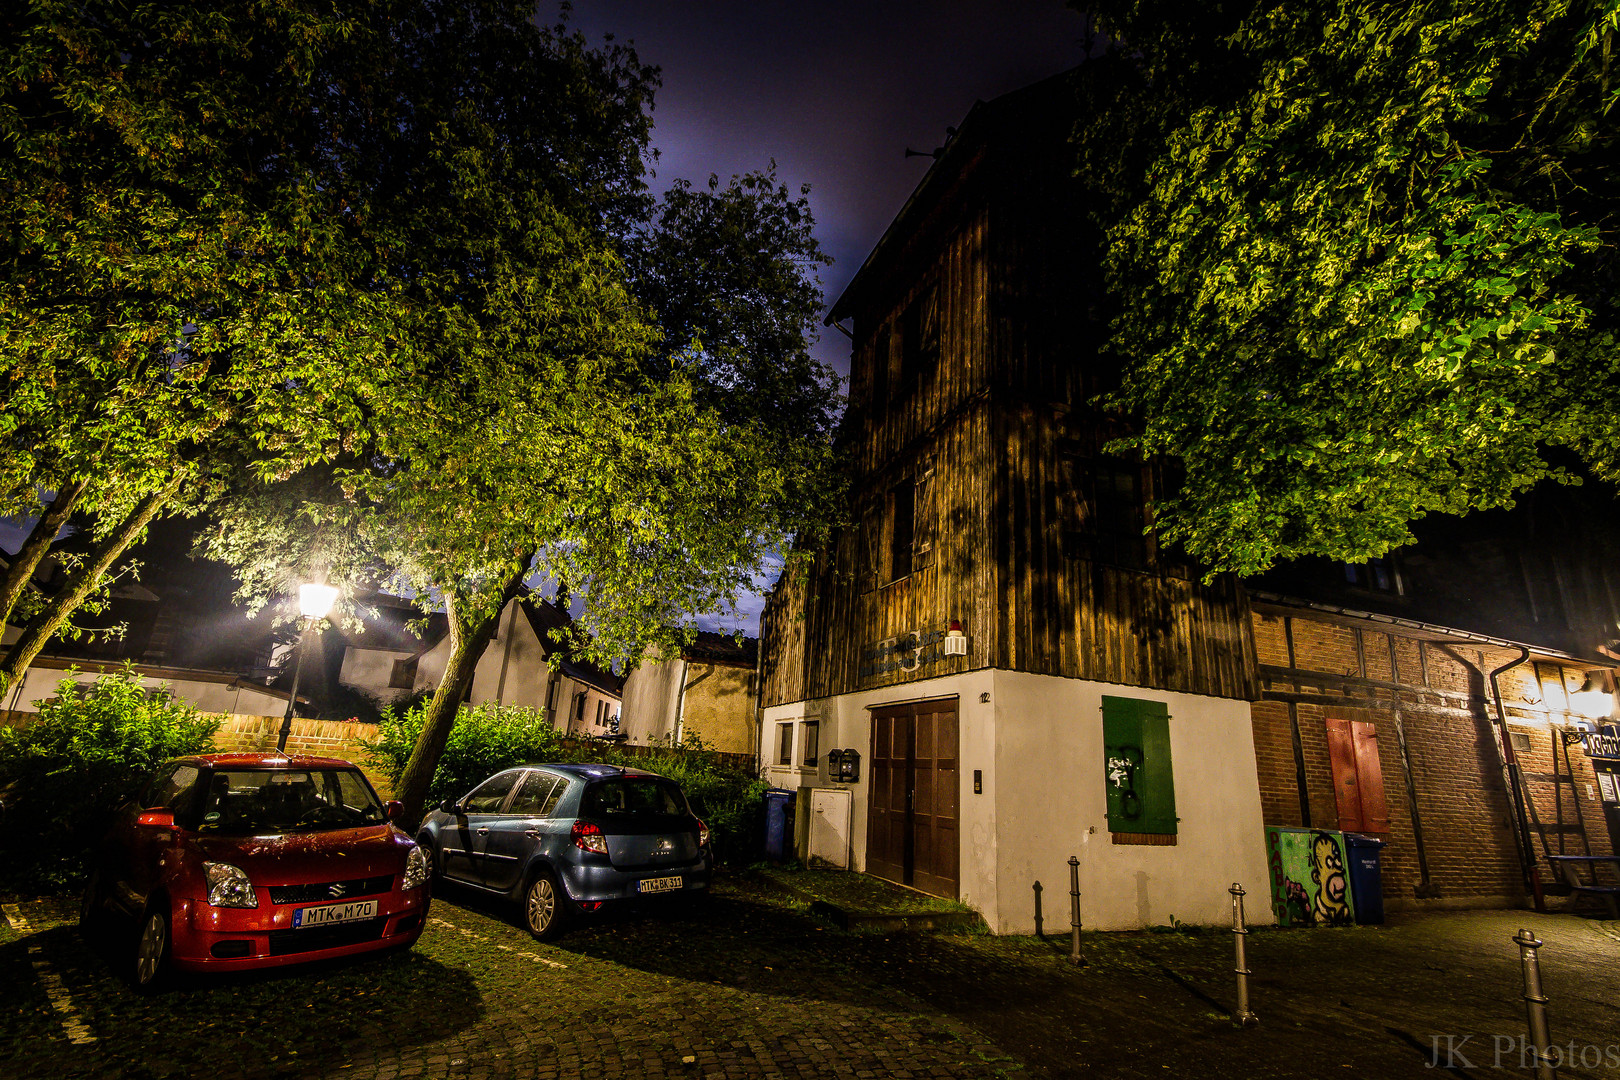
(1444, 704)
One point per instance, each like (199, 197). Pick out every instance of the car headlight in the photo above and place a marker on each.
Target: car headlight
(416, 869)
(228, 886)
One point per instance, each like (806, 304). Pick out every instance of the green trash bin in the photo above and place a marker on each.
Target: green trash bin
(1310, 885)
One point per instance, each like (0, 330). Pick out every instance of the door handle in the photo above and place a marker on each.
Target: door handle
(530, 832)
(483, 830)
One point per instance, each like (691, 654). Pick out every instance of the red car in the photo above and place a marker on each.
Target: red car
(237, 861)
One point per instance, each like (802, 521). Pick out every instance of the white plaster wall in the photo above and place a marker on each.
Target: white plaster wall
(518, 651)
(215, 697)
(1052, 803)
(1038, 743)
(370, 670)
(652, 695)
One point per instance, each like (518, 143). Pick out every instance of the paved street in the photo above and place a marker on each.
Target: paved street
(754, 988)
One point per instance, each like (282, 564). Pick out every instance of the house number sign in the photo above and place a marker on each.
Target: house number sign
(905, 652)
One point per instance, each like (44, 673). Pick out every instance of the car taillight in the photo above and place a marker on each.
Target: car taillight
(588, 837)
(703, 835)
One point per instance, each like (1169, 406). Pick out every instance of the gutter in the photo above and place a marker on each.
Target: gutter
(1510, 774)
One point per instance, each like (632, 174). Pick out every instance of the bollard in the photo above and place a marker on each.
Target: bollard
(1074, 911)
(1535, 1004)
(1243, 1016)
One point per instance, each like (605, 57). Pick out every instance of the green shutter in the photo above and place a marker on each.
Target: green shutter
(1136, 766)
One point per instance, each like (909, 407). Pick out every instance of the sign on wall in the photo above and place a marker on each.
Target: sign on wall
(1603, 743)
(904, 652)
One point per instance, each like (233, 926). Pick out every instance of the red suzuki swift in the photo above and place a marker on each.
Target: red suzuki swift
(235, 861)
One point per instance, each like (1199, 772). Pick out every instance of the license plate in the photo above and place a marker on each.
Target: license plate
(327, 914)
(659, 884)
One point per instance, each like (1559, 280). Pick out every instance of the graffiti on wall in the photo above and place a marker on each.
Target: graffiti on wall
(1308, 882)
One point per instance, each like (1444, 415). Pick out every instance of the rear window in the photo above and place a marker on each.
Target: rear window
(632, 795)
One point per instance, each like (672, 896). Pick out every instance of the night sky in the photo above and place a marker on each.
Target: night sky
(835, 92)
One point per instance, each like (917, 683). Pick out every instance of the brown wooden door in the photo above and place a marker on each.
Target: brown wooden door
(911, 834)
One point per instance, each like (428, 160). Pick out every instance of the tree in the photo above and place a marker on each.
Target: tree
(181, 264)
(1369, 273)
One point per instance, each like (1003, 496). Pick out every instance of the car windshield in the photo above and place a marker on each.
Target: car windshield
(260, 801)
(632, 795)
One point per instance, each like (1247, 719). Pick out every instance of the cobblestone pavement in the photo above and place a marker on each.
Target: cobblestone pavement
(752, 987)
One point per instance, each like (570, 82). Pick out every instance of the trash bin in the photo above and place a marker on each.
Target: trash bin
(779, 816)
(1366, 876)
(1309, 885)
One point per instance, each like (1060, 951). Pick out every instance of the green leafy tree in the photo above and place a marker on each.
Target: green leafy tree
(87, 751)
(1368, 272)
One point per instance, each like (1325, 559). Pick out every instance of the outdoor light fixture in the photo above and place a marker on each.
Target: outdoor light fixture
(955, 640)
(315, 602)
(1593, 700)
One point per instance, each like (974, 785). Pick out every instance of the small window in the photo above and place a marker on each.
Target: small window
(809, 740)
(880, 370)
(404, 674)
(1358, 775)
(904, 501)
(488, 796)
(784, 744)
(1375, 575)
(919, 338)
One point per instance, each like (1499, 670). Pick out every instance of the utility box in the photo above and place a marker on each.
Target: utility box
(829, 828)
(1310, 883)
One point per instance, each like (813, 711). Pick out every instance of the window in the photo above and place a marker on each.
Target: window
(784, 744)
(404, 674)
(809, 741)
(903, 500)
(1103, 508)
(1139, 780)
(637, 795)
(1358, 778)
(166, 789)
(1376, 575)
(488, 796)
(880, 369)
(536, 795)
(552, 687)
(919, 338)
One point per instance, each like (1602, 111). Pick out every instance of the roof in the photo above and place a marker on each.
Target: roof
(984, 123)
(553, 624)
(171, 674)
(722, 649)
(389, 629)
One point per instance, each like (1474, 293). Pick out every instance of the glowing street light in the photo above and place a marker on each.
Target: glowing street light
(1593, 700)
(315, 602)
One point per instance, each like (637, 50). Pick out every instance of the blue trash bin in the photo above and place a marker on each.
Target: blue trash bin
(779, 813)
(1366, 876)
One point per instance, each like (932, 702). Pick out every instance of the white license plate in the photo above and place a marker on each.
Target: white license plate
(659, 884)
(334, 913)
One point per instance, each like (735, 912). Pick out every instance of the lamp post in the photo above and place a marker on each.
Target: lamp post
(314, 604)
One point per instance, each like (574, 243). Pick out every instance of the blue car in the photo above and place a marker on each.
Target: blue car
(568, 840)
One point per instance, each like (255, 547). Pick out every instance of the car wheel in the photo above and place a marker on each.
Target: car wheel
(435, 876)
(544, 907)
(152, 947)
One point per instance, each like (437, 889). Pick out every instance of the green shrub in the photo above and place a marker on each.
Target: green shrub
(86, 752)
(489, 738)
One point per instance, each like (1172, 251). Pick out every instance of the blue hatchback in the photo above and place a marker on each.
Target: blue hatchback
(566, 840)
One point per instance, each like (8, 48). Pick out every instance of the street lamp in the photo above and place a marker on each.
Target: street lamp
(1593, 700)
(314, 604)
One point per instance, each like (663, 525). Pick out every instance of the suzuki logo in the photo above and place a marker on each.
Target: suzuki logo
(338, 889)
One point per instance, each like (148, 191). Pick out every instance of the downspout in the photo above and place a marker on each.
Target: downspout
(1510, 774)
(506, 655)
(680, 701)
(756, 737)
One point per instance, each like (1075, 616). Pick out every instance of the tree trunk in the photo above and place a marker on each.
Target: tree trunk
(33, 551)
(467, 645)
(82, 582)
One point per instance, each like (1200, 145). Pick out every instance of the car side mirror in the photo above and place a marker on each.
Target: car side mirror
(393, 810)
(156, 819)
(450, 806)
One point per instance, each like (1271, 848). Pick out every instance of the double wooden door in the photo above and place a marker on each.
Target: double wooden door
(911, 833)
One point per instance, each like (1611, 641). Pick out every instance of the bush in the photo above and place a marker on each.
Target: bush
(87, 752)
(489, 738)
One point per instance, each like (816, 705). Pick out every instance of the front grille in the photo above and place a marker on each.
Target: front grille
(286, 942)
(323, 891)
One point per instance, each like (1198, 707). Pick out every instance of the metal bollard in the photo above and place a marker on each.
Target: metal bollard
(1243, 1016)
(1074, 911)
(1535, 1004)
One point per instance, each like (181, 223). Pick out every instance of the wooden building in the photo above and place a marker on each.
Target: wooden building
(1095, 700)
(1002, 668)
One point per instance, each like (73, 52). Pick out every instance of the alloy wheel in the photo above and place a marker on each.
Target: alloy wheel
(542, 906)
(151, 950)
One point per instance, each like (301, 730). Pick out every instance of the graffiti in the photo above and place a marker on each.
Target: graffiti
(1308, 882)
(1327, 873)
